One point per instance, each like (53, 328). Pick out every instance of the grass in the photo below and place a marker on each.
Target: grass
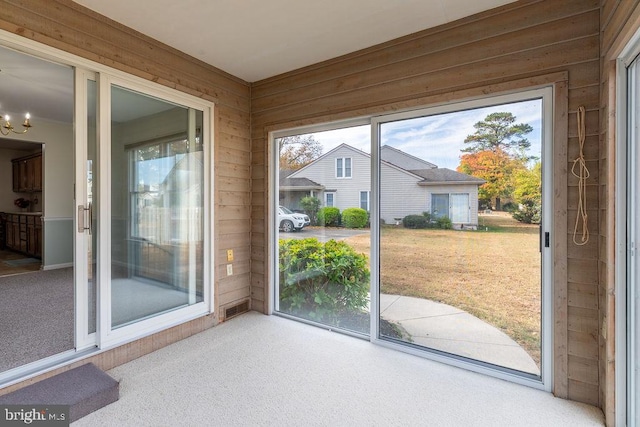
(492, 273)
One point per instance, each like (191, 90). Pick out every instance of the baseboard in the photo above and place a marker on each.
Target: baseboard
(57, 266)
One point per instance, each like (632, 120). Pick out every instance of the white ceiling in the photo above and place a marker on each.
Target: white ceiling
(256, 39)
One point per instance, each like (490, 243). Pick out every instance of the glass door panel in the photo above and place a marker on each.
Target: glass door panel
(323, 232)
(460, 197)
(157, 207)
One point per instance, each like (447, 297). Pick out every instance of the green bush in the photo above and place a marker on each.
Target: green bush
(354, 218)
(444, 223)
(529, 213)
(311, 206)
(329, 216)
(415, 221)
(322, 281)
(510, 207)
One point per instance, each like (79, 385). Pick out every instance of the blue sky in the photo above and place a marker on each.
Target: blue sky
(439, 138)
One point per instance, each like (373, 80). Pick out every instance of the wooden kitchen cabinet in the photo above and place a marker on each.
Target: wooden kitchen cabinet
(24, 234)
(27, 173)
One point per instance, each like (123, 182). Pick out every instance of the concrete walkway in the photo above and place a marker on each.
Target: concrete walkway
(442, 327)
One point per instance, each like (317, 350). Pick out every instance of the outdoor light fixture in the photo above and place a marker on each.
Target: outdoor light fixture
(7, 127)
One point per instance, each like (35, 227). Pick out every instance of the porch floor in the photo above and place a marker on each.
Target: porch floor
(266, 370)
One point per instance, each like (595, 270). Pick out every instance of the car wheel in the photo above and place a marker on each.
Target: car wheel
(287, 226)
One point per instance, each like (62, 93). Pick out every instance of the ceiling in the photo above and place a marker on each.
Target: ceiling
(256, 39)
(251, 39)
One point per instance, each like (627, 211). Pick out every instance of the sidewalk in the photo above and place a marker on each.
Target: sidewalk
(442, 327)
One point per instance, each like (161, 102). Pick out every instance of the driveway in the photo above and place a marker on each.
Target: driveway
(324, 234)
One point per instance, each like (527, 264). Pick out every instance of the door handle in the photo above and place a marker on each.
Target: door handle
(81, 221)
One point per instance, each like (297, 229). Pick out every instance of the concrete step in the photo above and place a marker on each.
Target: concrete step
(85, 389)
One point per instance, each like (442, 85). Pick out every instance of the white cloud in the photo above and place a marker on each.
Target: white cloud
(438, 138)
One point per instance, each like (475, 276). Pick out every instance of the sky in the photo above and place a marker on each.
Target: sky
(439, 138)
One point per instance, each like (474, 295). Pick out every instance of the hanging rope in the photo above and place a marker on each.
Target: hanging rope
(582, 174)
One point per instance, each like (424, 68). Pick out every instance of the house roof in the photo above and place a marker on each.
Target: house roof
(301, 183)
(445, 176)
(402, 160)
(431, 174)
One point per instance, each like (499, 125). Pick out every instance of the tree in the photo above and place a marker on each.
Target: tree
(528, 193)
(498, 132)
(311, 205)
(298, 151)
(497, 168)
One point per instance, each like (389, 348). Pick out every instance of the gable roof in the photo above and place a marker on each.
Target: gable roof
(404, 160)
(436, 176)
(430, 173)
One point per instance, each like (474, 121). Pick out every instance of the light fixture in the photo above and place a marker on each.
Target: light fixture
(7, 127)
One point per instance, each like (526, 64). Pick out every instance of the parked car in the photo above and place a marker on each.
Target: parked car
(291, 221)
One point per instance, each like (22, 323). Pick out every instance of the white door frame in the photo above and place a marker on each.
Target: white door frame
(83, 338)
(627, 235)
(545, 382)
(90, 70)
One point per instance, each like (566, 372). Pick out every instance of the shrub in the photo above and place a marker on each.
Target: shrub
(311, 206)
(354, 218)
(329, 216)
(322, 281)
(510, 207)
(427, 215)
(415, 221)
(444, 223)
(529, 213)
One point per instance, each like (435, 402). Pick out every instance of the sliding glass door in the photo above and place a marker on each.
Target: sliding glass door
(463, 240)
(322, 227)
(157, 207)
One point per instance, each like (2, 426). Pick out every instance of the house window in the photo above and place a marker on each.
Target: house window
(364, 200)
(453, 206)
(440, 205)
(329, 199)
(343, 167)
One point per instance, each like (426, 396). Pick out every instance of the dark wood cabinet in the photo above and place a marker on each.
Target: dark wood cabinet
(27, 173)
(24, 233)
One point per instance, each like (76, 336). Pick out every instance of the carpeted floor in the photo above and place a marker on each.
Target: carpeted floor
(36, 316)
(258, 370)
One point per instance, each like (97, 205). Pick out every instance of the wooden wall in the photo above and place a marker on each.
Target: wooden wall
(619, 21)
(70, 27)
(508, 47)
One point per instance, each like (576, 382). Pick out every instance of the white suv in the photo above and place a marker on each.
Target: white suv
(291, 221)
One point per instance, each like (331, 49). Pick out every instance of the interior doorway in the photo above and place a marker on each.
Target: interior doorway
(36, 210)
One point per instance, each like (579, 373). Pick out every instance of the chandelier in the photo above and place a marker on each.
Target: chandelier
(6, 128)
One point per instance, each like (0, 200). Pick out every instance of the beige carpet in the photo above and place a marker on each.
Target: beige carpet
(270, 371)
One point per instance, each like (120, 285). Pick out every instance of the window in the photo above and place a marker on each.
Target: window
(329, 199)
(453, 206)
(343, 167)
(364, 200)
(440, 205)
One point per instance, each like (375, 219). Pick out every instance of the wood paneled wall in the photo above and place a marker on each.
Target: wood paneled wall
(481, 54)
(70, 27)
(619, 21)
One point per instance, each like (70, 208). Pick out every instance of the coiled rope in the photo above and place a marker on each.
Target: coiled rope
(582, 175)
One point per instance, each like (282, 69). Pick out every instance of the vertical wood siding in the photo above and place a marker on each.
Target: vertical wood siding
(72, 28)
(619, 20)
(516, 43)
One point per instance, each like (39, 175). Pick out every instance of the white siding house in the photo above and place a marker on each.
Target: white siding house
(409, 185)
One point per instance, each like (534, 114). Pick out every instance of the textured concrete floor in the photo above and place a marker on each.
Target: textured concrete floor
(266, 370)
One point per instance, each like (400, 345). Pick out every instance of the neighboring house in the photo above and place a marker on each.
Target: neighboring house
(409, 185)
